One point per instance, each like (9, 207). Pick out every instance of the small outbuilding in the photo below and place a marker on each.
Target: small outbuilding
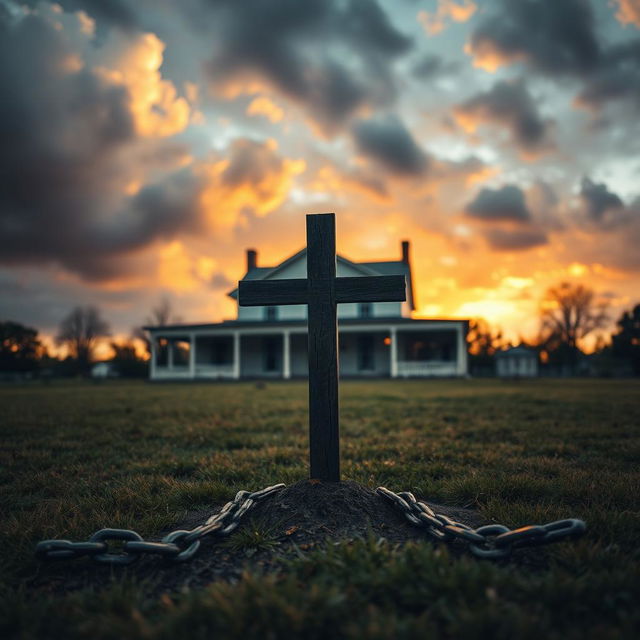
(104, 370)
(517, 362)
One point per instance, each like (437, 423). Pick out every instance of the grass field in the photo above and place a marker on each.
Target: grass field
(77, 457)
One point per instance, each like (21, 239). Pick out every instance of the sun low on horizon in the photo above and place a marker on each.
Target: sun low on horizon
(147, 145)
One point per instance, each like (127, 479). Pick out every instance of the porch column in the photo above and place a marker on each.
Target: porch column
(286, 355)
(170, 346)
(462, 352)
(236, 355)
(192, 355)
(154, 356)
(393, 334)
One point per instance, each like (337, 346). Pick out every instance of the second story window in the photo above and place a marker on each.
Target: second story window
(365, 310)
(270, 314)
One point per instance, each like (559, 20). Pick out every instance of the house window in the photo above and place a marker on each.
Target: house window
(162, 352)
(365, 353)
(181, 349)
(270, 314)
(365, 310)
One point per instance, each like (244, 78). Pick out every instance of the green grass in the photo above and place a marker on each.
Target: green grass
(76, 457)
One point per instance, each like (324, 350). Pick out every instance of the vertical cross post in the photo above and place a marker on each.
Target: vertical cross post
(324, 436)
(322, 292)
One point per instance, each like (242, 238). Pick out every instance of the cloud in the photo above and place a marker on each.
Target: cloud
(598, 200)
(616, 77)
(333, 57)
(432, 66)
(507, 203)
(560, 39)
(515, 239)
(629, 12)
(434, 23)
(91, 171)
(116, 12)
(388, 142)
(511, 105)
(251, 178)
(507, 222)
(134, 62)
(554, 37)
(262, 106)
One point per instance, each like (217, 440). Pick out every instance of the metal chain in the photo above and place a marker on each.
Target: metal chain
(177, 546)
(489, 541)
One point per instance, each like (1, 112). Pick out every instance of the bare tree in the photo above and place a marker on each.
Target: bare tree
(160, 316)
(569, 313)
(80, 331)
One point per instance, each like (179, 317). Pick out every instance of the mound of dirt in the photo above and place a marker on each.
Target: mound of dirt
(304, 516)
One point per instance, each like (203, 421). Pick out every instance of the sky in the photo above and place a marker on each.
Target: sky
(146, 144)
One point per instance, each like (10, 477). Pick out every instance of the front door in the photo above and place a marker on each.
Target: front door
(271, 353)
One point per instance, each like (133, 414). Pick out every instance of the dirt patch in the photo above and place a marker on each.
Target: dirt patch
(302, 517)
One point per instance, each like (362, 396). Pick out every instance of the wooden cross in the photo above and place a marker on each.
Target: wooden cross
(322, 291)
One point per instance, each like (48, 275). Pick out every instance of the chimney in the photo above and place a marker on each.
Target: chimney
(405, 251)
(252, 259)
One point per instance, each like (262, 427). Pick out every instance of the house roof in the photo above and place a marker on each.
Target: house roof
(382, 268)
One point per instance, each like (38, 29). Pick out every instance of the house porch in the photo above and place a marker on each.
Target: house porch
(376, 350)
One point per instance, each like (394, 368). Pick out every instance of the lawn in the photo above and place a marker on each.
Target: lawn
(76, 457)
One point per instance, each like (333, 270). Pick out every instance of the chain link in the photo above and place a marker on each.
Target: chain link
(489, 541)
(177, 546)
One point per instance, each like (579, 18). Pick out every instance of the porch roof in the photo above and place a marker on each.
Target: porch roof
(249, 324)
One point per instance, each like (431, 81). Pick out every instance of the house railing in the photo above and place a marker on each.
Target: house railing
(426, 368)
(214, 370)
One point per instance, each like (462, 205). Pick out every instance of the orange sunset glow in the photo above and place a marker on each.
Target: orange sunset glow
(145, 149)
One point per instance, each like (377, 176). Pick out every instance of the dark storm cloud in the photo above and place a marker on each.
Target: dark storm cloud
(249, 162)
(62, 175)
(560, 38)
(388, 142)
(507, 203)
(117, 12)
(157, 211)
(617, 76)
(332, 56)
(598, 200)
(510, 104)
(515, 239)
(432, 66)
(555, 37)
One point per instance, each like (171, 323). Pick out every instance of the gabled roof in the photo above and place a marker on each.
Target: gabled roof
(386, 268)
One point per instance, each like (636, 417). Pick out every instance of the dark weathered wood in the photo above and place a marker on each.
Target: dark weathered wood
(256, 293)
(371, 289)
(324, 430)
(322, 291)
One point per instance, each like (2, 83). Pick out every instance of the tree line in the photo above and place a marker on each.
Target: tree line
(22, 353)
(569, 313)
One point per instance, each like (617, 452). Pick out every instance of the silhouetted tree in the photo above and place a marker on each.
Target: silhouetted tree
(626, 342)
(20, 348)
(568, 314)
(160, 316)
(482, 344)
(80, 331)
(127, 362)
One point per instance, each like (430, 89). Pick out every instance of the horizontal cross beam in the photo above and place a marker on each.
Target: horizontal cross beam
(255, 293)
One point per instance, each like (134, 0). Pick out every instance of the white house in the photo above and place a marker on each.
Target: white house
(378, 339)
(517, 362)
